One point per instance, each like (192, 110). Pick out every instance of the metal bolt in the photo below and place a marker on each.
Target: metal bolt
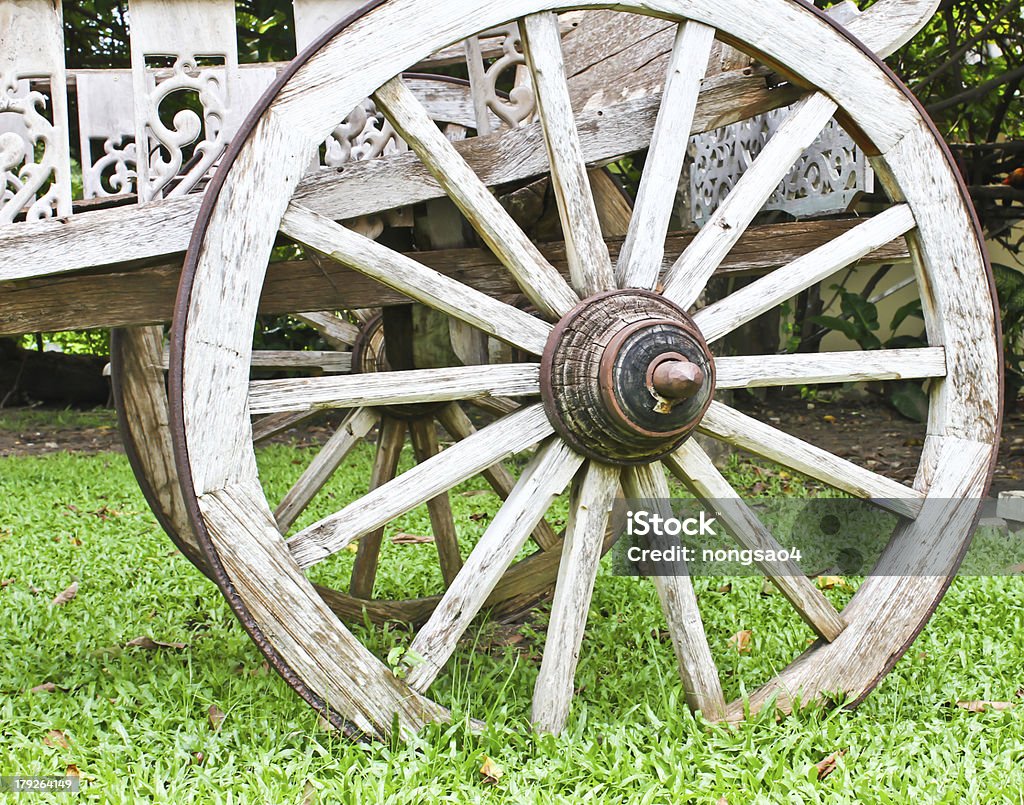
(677, 380)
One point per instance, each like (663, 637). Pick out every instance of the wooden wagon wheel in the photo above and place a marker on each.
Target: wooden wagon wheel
(139, 386)
(592, 434)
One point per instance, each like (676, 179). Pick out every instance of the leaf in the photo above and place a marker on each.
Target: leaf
(741, 640)
(491, 771)
(66, 596)
(149, 644)
(72, 771)
(309, 793)
(46, 687)
(216, 716)
(912, 308)
(411, 539)
(910, 400)
(828, 765)
(830, 582)
(6, 582)
(725, 588)
(478, 516)
(56, 738)
(984, 707)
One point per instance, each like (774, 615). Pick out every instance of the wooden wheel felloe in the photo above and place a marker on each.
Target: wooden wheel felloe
(251, 201)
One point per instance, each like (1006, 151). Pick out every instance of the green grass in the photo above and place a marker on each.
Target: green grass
(137, 723)
(20, 419)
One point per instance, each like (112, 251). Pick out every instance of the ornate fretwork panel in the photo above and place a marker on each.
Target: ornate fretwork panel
(828, 178)
(496, 108)
(187, 90)
(106, 122)
(34, 152)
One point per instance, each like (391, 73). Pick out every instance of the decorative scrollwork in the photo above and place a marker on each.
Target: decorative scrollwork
(28, 158)
(514, 108)
(364, 134)
(114, 172)
(827, 178)
(167, 172)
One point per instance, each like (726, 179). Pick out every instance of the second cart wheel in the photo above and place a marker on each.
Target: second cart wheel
(628, 369)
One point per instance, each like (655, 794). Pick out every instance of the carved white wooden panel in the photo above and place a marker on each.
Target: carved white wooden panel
(34, 151)
(106, 123)
(827, 178)
(183, 51)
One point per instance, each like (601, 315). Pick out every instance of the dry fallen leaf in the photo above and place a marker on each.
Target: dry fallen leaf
(56, 738)
(72, 771)
(216, 716)
(828, 765)
(148, 643)
(1012, 570)
(830, 419)
(722, 801)
(472, 493)
(830, 582)
(309, 793)
(478, 516)
(742, 641)
(46, 687)
(767, 588)
(490, 771)
(725, 588)
(411, 539)
(6, 582)
(983, 706)
(67, 595)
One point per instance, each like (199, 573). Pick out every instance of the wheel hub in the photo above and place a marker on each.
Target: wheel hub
(626, 377)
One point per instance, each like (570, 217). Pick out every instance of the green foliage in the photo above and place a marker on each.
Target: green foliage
(858, 321)
(137, 723)
(74, 342)
(1010, 288)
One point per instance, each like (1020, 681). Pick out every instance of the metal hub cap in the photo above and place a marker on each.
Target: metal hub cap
(626, 377)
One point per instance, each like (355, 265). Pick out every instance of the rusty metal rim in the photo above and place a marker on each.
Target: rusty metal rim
(188, 279)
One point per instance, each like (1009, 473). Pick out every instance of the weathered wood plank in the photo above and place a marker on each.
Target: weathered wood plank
(416, 280)
(759, 371)
(454, 420)
(685, 281)
(423, 435)
(589, 506)
(327, 361)
(146, 295)
(750, 434)
(589, 264)
(393, 388)
(698, 472)
(385, 466)
(463, 460)
(536, 277)
(548, 473)
(639, 263)
(349, 433)
(126, 235)
(722, 317)
(697, 669)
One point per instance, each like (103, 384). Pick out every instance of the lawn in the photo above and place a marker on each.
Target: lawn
(138, 725)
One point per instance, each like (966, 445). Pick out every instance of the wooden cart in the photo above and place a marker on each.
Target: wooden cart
(594, 356)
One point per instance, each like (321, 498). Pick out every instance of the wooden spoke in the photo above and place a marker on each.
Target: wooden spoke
(697, 669)
(721, 318)
(747, 433)
(327, 361)
(592, 499)
(394, 388)
(454, 420)
(544, 479)
(753, 371)
(336, 332)
(385, 467)
(542, 283)
(423, 434)
(686, 279)
(414, 279)
(355, 427)
(589, 264)
(639, 264)
(266, 426)
(513, 434)
(695, 469)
